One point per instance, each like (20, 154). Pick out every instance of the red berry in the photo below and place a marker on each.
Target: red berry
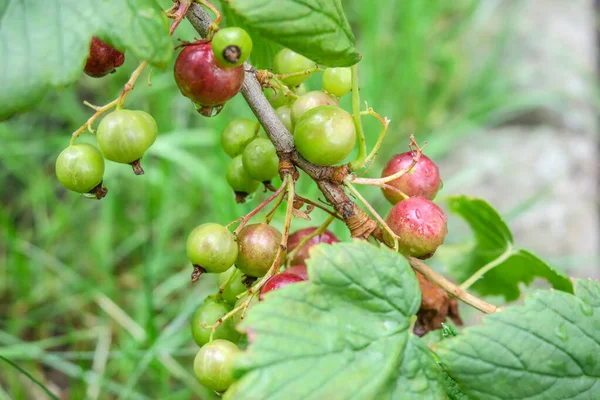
(200, 78)
(423, 180)
(299, 270)
(103, 59)
(302, 254)
(278, 281)
(420, 224)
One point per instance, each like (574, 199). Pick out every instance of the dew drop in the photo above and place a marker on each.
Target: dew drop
(89, 195)
(561, 332)
(208, 111)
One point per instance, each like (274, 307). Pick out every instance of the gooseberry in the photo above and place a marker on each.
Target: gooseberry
(213, 364)
(258, 247)
(337, 81)
(237, 134)
(80, 168)
(212, 247)
(208, 314)
(260, 160)
(423, 180)
(309, 101)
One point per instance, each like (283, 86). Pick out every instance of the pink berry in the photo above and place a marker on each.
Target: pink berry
(302, 254)
(423, 180)
(278, 281)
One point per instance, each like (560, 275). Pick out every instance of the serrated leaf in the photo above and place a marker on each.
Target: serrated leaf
(343, 334)
(44, 44)
(495, 249)
(317, 29)
(546, 349)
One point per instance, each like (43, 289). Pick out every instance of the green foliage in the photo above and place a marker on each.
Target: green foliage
(546, 349)
(45, 44)
(317, 29)
(343, 334)
(494, 249)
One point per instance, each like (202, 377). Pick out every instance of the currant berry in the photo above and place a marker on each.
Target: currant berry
(309, 101)
(260, 160)
(200, 78)
(103, 59)
(237, 134)
(303, 253)
(300, 89)
(80, 168)
(325, 135)
(232, 46)
(258, 246)
(337, 81)
(276, 96)
(278, 281)
(423, 180)
(212, 247)
(420, 224)
(124, 136)
(235, 286)
(239, 180)
(288, 62)
(299, 270)
(285, 115)
(208, 314)
(213, 364)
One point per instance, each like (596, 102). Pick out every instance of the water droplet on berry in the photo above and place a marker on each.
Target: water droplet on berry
(208, 111)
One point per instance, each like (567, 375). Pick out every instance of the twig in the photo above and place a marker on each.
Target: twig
(359, 161)
(244, 220)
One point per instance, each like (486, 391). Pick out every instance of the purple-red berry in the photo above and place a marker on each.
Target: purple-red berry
(299, 270)
(258, 247)
(423, 180)
(420, 224)
(103, 59)
(278, 281)
(302, 254)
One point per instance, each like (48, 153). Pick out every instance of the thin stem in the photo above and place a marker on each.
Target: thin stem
(271, 213)
(487, 268)
(307, 238)
(276, 83)
(359, 161)
(178, 13)
(319, 206)
(236, 272)
(373, 212)
(99, 111)
(130, 83)
(451, 288)
(385, 122)
(244, 220)
(300, 73)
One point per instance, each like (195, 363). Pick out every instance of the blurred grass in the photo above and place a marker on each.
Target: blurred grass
(95, 296)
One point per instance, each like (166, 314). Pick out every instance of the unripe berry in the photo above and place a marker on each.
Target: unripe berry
(212, 247)
(80, 167)
(302, 254)
(258, 247)
(309, 101)
(260, 160)
(287, 62)
(284, 114)
(420, 224)
(237, 134)
(103, 59)
(337, 81)
(239, 180)
(423, 180)
(208, 314)
(277, 282)
(213, 364)
(235, 286)
(276, 96)
(232, 46)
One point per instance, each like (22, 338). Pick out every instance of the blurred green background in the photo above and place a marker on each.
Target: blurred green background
(95, 296)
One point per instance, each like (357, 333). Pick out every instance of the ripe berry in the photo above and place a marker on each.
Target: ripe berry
(423, 180)
(200, 78)
(239, 180)
(212, 247)
(258, 246)
(337, 81)
(299, 270)
(420, 224)
(124, 136)
(309, 101)
(287, 62)
(285, 115)
(213, 364)
(278, 281)
(232, 46)
(103, 59)
(237, 134)
(80, 168)
(208, 314)
(325, 135)
(260, 160)
(235, 286)
(302, 254)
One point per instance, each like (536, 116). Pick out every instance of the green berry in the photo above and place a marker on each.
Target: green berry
(238, 177)
(213, 364)
(232, 46)
(285, 115)
(276, 97)
(325, 135)
(258, 247)
(309, 101)
(337, 81)
(212, 247)
(287, 62)
(300, 89)
(124, 136)
(235, 286)
(237, 134)
(80, 167)
(260, 160)
(208, 314)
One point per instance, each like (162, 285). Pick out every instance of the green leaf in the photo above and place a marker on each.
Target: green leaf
(505, 266)
(546, 349)
(317, 29)
(343, 334)
(45, 44)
